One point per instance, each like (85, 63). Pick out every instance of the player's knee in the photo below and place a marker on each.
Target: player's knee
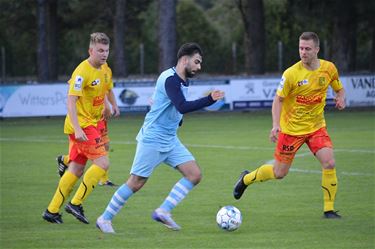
(195, 178)
(280, 173)
(329, 164)
(135, 183)
(104, 165)
(102, 162)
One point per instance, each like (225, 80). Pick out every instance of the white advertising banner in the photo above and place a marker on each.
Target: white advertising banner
(252, 93)
(247, 93)
(135, 98)
(33, 100)
(360, 90)
(258, 93)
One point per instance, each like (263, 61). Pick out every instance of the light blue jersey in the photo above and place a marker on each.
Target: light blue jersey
(157, 138)
(162, 121)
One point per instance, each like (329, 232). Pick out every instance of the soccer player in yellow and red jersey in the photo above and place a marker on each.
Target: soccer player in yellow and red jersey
(63, 160)
(88, 87)
(298, 118)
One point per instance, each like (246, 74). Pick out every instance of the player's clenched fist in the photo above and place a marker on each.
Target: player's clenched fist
(217, 94)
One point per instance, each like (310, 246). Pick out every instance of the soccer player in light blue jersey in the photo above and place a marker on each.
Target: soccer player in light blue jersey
(158, 142)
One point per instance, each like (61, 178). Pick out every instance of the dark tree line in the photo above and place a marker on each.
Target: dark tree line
(49, 38)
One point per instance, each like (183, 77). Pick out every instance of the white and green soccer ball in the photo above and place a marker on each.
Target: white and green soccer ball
(229, 218)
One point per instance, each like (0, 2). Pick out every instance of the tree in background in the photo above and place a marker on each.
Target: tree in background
(42, 50)
(47, 57)
(215, 24)
(194, 26)
(53, 31)
(252, 13)
(344, 35)
(223, 15)
(119, 30)
(167, 37)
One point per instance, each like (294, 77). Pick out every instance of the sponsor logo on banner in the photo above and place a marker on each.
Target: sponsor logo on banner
(128, 97)
(360, 90)
(249, 88)
(366, 84)
(34, 100)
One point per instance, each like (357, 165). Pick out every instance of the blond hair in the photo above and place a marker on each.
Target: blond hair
(98, 37)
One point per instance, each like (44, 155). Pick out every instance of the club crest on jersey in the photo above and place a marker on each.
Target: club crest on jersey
(302, 82)
(95, 82)
(78, 83)
(322, 81)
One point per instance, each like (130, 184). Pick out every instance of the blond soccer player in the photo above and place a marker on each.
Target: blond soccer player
(298, 118)
(88, 87)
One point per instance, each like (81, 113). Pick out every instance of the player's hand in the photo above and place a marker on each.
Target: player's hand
(217, 94)
(80, 135)
(340, 103)
(274, 134)
(107, 113)
(116, 111)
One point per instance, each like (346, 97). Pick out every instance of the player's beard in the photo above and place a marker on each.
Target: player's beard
(189, 73)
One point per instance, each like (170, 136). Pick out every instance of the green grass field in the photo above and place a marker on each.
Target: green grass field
(276, 214)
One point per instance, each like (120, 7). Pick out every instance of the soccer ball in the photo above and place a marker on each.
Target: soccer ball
(229, 218)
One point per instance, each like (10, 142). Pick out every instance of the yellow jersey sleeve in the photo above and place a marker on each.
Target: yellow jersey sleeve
(286, 84)
(335, 83)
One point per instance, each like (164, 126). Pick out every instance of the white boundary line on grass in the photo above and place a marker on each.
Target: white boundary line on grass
(226, 147)
(309, 171)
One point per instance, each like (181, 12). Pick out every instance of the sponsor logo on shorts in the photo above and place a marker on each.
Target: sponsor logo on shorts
(288, 147)
(98, 140)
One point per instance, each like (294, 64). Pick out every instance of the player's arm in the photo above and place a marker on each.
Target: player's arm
(112, 100)
(107, 113)
(340, 99)
(182, 105)
(276, 111)
(72, 112)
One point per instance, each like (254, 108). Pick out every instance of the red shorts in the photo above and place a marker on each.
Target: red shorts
(288, 145)
(103, 130)
(93, 148)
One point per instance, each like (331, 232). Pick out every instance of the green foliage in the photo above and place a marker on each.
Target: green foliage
(216, 25)
(192, 25)
(276, 214)
(149, 37)
(225, 17)
(18, 36)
